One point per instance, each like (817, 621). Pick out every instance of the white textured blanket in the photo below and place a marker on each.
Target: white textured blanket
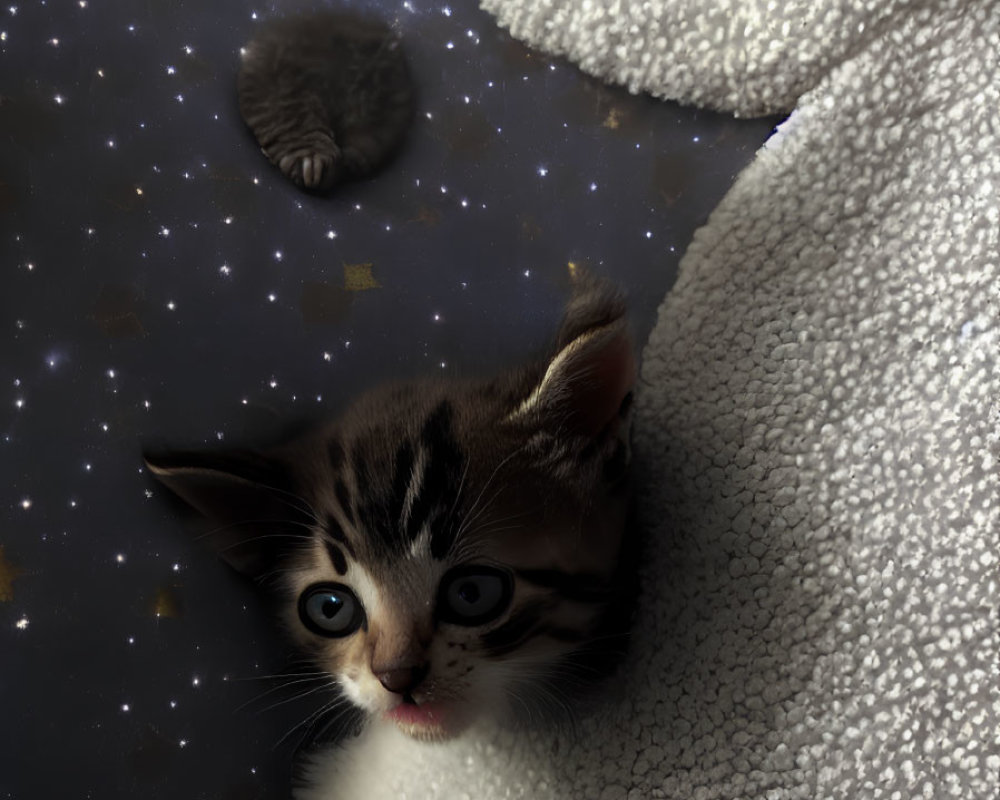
(818, 424)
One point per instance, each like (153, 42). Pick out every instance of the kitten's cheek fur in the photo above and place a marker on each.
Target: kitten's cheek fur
(368, 694)
(353, 693)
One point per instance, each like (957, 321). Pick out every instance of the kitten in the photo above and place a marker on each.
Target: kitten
(328, 96)
(448, 550)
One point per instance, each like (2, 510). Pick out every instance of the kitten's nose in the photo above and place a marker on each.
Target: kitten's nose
(402, 680)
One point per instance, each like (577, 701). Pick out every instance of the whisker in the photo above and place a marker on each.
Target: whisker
(236, 524)
(466, 544)
(470, 519)
(486, 486)
(302, 505)
(468, 528)
(280, 687)
(513, 694)
(282, 675)
(326, 725)
(337, 701)
(263, 536)
(518, 515)
(275, 572)
(458, 493)
(487, 530)
(477, 510)
(299, 696)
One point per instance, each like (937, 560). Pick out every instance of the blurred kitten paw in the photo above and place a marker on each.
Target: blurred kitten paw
(312, 169)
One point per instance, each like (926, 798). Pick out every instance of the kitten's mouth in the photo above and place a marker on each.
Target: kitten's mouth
(429, 720)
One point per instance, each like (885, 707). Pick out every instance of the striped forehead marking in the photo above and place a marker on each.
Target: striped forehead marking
(394, 503)
(336, 556)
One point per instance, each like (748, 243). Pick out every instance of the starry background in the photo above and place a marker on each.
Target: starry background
(162, 283)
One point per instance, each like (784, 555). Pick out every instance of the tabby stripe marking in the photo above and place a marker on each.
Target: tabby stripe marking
(521, 626)
(401, 481)
(567, 635)
(416, 477)
(439, 482)
(336, 557)
(335, 532)
(376, 502)
(344, 498)
(580, 588)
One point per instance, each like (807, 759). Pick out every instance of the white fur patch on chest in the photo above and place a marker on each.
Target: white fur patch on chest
(358, 768)
(384, 764)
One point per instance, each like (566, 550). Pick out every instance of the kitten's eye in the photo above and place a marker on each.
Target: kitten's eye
(330, 609)
(473, 595)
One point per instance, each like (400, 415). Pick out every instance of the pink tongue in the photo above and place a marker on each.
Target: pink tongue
(410, 714)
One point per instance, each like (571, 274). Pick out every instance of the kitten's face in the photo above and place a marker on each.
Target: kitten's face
(445, 551)
(452, 561)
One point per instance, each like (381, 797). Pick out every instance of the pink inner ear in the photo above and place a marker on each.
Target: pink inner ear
(598, 381)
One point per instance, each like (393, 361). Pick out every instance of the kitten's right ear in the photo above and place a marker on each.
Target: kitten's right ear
(587, 385)
(254, 517)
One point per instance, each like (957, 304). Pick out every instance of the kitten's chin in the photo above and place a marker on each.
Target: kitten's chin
(429, 722)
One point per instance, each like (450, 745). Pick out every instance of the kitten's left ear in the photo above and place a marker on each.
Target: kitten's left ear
(253, 516)
(587, 385)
